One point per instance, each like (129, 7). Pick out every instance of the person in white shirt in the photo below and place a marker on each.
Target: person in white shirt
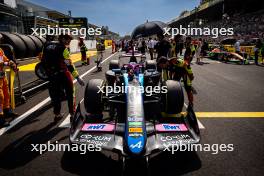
(237, 47)
(198, 51)
(151, 45)
(155, 42)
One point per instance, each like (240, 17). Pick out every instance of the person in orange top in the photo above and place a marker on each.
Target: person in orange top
(113, 46)
(5, 110)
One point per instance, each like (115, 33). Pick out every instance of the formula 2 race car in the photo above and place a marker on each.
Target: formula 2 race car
(139, 123)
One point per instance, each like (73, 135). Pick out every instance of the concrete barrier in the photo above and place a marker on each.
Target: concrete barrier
(74, 47)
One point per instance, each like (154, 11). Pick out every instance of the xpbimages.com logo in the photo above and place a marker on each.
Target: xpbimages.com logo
(147, 90)
(191, 31)
(73, 31)
(57, 147)
(213, 148)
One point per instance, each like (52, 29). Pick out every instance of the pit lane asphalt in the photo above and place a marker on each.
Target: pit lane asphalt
(219, 87)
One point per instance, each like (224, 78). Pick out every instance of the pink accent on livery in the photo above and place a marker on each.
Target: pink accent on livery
(98, 127)
(171, 127)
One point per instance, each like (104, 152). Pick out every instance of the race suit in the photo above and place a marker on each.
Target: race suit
(83, 50)
(61, 71)
(4, 90)
(189, 52)
(100, 47)
(182, 69)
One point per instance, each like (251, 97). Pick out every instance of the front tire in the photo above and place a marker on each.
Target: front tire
(173, 100)
(93, 96)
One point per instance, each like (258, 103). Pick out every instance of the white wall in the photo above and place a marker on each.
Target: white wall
(90, 44)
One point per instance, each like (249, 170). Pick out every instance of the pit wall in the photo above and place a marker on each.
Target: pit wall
(90, 44)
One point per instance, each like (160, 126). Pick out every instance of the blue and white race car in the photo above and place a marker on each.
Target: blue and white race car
(133, 114)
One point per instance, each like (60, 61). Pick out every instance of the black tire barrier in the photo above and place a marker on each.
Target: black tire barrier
(38, 43)
(17, 43)
(31, 47)
(42, 39)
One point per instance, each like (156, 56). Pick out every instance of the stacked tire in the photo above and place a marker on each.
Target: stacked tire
(16, 42)
(24, 45)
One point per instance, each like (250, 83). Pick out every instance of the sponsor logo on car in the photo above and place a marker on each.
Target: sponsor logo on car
(135, 119)
(94, 139)
(134, 123)
(176, 138)
(98, 127)
(135, 130)
(171, 127)
(137, 145)
(135, 134)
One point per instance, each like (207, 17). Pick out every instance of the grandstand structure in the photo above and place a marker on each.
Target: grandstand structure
(245, 17)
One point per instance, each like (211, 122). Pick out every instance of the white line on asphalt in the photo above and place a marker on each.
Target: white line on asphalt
(33, 88)
(201, 126)
(66, 122)
(23, 116)
(42, 103)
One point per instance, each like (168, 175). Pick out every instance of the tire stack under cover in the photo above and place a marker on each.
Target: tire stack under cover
(25, 46)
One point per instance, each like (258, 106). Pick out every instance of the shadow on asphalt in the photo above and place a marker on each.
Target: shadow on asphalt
(98, 164)
(93, 163)
(31, 118)
(202, 63)
(19, 153)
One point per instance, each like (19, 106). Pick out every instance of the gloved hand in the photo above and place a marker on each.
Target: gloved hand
(191, 76)
(80, 81)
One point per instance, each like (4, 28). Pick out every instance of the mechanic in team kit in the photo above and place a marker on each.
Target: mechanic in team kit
(189, 50)
(100, 47)
(83, 49)
(60, 71)
(5, 109)
(181, 69)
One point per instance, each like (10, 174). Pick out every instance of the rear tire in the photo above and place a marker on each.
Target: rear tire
(114, 64)
(93, 96)
(173, 100)
(110, 77)
(151, 64)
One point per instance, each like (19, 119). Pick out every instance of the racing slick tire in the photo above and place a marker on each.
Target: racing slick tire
(42, 39)
(173, 100)
(93, 96)
(151, 64)
(17, 43)
(114, 64)
(37, 42)
(40, 72)
(31, 48)
(110, 77)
